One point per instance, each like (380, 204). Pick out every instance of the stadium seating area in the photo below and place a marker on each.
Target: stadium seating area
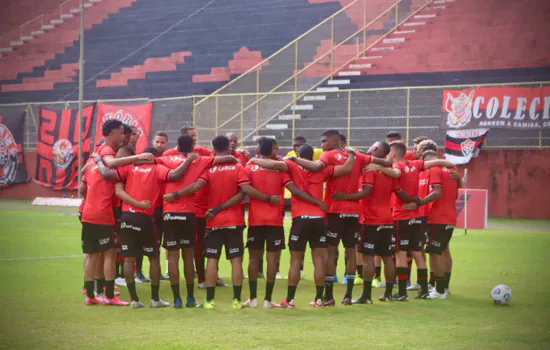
(450, 42)
(198, 45)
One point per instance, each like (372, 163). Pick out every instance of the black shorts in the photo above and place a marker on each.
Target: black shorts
(201, 227)
(97, 238)
(377, 240)
(138, 235)
(158, 219)
(439, 237)
(179, 230)
(424, 227)
(409, 235)
(270, 237)
(231, 237)
(307, 229)
(345, 227)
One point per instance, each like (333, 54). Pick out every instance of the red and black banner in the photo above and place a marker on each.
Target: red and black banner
(462, 145)
(57, 146)
(138, 116)
(12, 154)
(519, 108)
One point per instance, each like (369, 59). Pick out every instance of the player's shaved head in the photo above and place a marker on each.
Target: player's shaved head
(330, 140)
(185, 143)
(220, 143)
(305, 151)
(393, 136)
(398, 148)
(379, 149)
(267, 146)
(153, 151)
(429, 155)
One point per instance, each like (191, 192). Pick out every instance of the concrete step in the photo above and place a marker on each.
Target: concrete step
(289, 116)
(360, 66)
(371, 57)
(47, 26)
(349, 73)
(37, 32)
(67, 15)
(56, 21)
(339, 82)
(414, 24)
(315, 98)
(301, 108)
(401, 32)
(26, 38)
(77, 10)
(6, 49)
(393, 40)
(17, 43)
(383, 48)
(276, 126)
(327, 89)
(432, 15)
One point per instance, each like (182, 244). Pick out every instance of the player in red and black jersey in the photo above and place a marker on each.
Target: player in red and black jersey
(441, 221)
(242, 154)
(377, 238)
(393, 136)
(180, 216)
(137, 232)
(343, 216)
(225, 218)
(308, 219)
(265, 221)
(189, 130)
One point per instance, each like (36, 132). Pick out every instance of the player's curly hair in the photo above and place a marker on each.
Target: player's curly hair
(427, 145)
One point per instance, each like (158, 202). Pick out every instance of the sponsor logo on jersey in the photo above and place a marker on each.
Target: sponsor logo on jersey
(171, 243)
(104, 241)
(211, 251)
(148, 249)
(449, 227)
(277, 242)
(293, 238)
(332, 234)
(222, 168)
(311, 217)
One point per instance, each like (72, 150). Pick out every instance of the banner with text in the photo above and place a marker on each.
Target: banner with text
(12, 155)
(57, 146)
(138, 116)
(519, 108)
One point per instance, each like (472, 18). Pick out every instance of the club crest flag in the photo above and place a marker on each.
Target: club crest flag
(518, 108)
(136, 115)
(12, 154)
(463, 145)
(57, 146)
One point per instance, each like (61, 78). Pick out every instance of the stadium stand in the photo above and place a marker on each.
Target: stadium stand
(203, 44)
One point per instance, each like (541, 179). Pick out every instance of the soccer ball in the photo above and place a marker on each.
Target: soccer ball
(501, 294)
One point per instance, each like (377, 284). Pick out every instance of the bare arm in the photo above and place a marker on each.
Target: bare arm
(438, 162)
(346, 168)
(112, 162)
(186, 191)
(82, 189)
(270, 164)
(177, 173)
(364, 193)
(405, 197)
(306, 197)
(125, 197)
(235, 200)
(83, 171)
(381, 161)
(225, 160)
(106, 173)
(309, 165)
(394, 173)
(259, 195)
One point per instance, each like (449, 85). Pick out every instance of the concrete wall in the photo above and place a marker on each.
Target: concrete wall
(517, 182)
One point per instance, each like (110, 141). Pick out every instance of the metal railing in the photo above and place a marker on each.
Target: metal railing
(364, 115)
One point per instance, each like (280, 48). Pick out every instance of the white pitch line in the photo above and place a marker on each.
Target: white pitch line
(44, 257)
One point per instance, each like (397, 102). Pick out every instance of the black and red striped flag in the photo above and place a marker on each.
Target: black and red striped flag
(57, 146)
(12, 155)
(462, 145)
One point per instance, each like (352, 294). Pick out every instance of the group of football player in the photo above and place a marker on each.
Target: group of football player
(386, 205)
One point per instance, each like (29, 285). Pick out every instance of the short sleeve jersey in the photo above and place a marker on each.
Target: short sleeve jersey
(347, 184)
(224, 181)
(143, 182)
(408, 182)
(443, 210)
(311, 182)
(409, 155)
(105, 150)
(270, 182)
(377, 206)
(98, 207)
(241, 158)
(184, 204)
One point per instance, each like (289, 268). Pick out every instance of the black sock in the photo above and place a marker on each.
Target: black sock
(191, 290)
(409, 268)
(432, 278)
(349, 286)
(389, 289)
(237, 292)
(89, 286)
(110, 289)
(132, 290)
(155, 292)
(253, 285)
(447, 276)
(401, 273)
(269, 290)
(440, 284)
(360, 271)
(139, 263)
(377, 275)
(291, 292)
(210, 293)
(422, 280)
(319, 292)
(367, 289)
(99, 284)
(176, 290)
(329, 281)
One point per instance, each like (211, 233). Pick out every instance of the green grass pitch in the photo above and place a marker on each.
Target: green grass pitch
(41, 304)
